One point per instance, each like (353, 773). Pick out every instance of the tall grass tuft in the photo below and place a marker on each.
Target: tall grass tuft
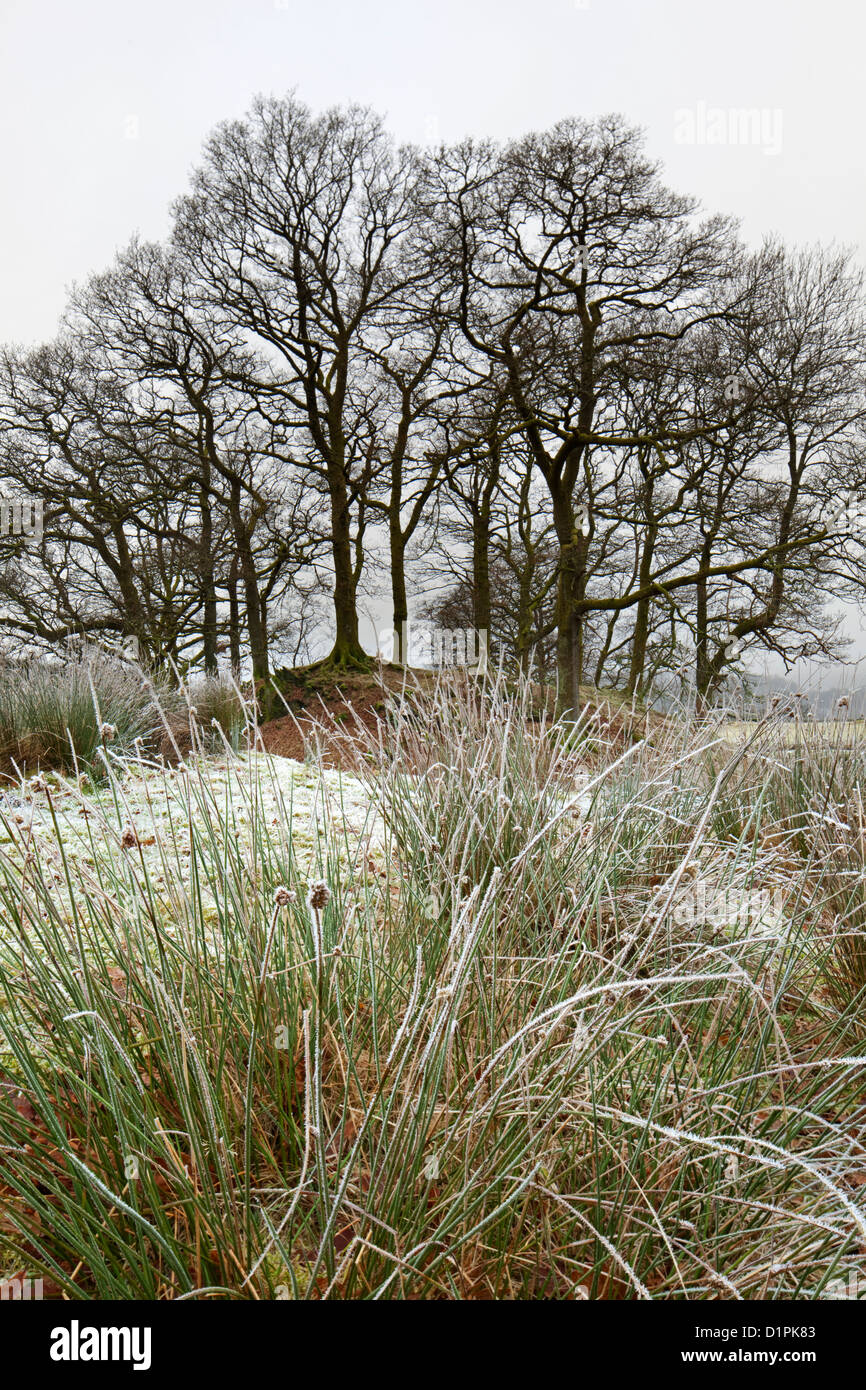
(61, 713)
(493, 1058)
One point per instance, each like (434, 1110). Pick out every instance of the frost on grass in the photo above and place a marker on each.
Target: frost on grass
(142, 825)
(517, 1014)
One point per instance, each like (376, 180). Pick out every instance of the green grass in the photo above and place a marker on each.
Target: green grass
(499, 1066)
(61, 714)
(66, 714)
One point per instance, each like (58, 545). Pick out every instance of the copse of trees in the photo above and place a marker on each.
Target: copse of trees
(530, 370)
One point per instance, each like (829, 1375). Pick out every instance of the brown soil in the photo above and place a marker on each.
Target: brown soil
(328, 726)
(329, 714)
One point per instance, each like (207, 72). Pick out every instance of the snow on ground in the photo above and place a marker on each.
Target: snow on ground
(151, 812)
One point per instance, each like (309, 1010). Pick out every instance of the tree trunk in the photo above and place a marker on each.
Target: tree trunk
(569, 622)
(256, 631)
(399, 601)
(347, 649)
(640, 637)
(481, 614)
(525, 620)
(124, 572)
(234, 622)
(703, 669)
(209, 597)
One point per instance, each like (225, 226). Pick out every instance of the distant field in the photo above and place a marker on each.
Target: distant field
(851, 731)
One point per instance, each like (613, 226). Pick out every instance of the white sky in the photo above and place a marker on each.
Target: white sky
(104, 103)
(76, 75)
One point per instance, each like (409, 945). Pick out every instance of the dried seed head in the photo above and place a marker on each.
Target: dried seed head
(107, 732)
(38, 783)
(842, 702)
(319, 896)
(283, 896)
(129, 839)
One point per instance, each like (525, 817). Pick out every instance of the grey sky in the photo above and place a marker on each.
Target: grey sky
(104, 104)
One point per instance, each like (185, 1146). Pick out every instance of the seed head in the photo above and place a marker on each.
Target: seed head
(319, 896)
(283, 896)
(107, 732)
(129, 839)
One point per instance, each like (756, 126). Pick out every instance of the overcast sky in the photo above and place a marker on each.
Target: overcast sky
(104, 104)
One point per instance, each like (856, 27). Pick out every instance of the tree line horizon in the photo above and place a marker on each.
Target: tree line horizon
(525, 380)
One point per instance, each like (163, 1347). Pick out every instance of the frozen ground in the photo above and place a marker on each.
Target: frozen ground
(144, 818)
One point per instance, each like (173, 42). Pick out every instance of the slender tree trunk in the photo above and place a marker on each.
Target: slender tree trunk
(481, 603)
(234, 622)
(347, 649)
(643, 611)
(399, 602)
(569, 622)
(525, 619)
(703, 669)
(604, 653)
(257, 632)
(124, 572)
(209, 597)
(640, 637)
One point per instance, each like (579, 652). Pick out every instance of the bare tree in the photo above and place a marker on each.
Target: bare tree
(568, 250)
(296, 226)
